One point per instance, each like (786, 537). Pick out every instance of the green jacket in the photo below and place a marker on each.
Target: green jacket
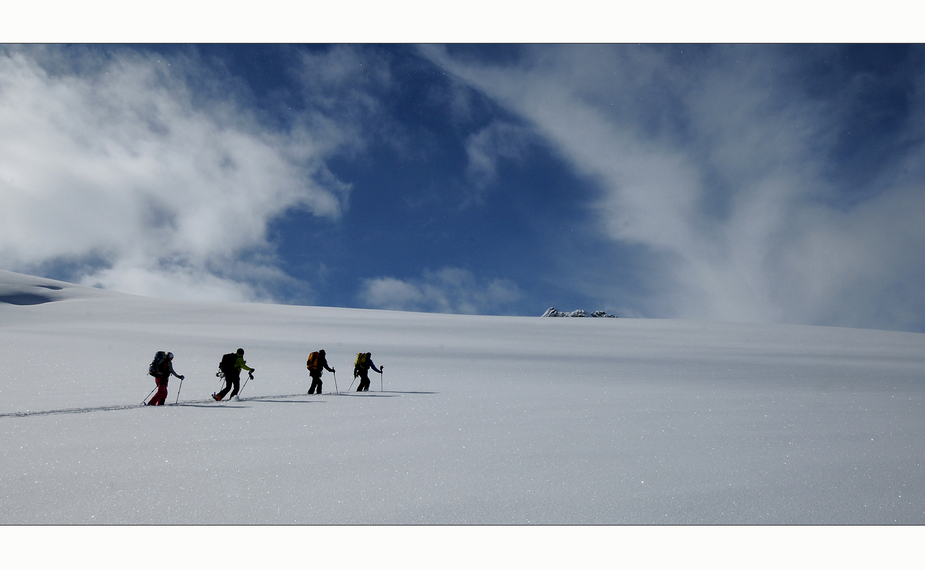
(241, 365)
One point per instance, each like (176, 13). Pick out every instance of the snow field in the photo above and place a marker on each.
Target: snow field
(482, 421)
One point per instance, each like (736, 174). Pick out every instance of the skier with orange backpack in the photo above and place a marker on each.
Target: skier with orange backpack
(317, 363)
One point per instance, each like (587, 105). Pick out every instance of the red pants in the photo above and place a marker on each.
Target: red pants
(161, 395)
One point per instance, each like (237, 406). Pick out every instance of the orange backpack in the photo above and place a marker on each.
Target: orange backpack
(312, 362)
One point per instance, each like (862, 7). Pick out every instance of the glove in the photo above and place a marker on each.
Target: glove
(182, 377)
(333, 371)
(250, 374)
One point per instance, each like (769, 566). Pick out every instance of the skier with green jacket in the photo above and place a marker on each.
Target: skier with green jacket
(231, 366)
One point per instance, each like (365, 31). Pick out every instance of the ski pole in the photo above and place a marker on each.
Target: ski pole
(381, 368)
(249, 376)
(351, 384)
(149, 395)
(178, 391)
(335, 383)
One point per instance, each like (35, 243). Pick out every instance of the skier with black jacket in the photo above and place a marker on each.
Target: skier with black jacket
(317, 363)
(231, 366)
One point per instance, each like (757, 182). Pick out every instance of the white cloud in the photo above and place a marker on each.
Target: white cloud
(116, 165)
(719, 167)
(448, 290)
(486, 148)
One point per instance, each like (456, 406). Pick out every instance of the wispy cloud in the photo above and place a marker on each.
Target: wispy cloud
(488, 147)
(115, 166)
(723, 164)
(448, 290)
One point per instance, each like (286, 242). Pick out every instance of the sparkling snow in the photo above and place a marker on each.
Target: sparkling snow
(476, 420)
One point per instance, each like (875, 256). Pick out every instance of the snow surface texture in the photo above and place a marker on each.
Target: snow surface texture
(481, 420)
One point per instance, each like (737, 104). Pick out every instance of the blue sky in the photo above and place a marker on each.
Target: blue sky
(741, 182)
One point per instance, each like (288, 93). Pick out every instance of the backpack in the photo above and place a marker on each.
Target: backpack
(361, 361)
(155, 368)
(312, 362)
(228, 362)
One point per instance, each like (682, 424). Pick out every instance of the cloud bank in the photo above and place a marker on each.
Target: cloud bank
(738, 172)
(448, 290)
(114, 167)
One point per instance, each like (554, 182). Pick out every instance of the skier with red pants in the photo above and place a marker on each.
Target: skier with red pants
(162, 374)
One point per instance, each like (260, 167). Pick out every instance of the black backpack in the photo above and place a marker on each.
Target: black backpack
(154, 369)
(228, 362)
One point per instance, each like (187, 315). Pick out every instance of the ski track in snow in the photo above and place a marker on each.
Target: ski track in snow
(134, 406)
(199, 403)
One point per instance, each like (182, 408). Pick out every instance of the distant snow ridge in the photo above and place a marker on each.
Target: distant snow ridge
(552, 312)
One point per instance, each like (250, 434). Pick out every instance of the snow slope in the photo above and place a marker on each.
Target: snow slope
(480, 420)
